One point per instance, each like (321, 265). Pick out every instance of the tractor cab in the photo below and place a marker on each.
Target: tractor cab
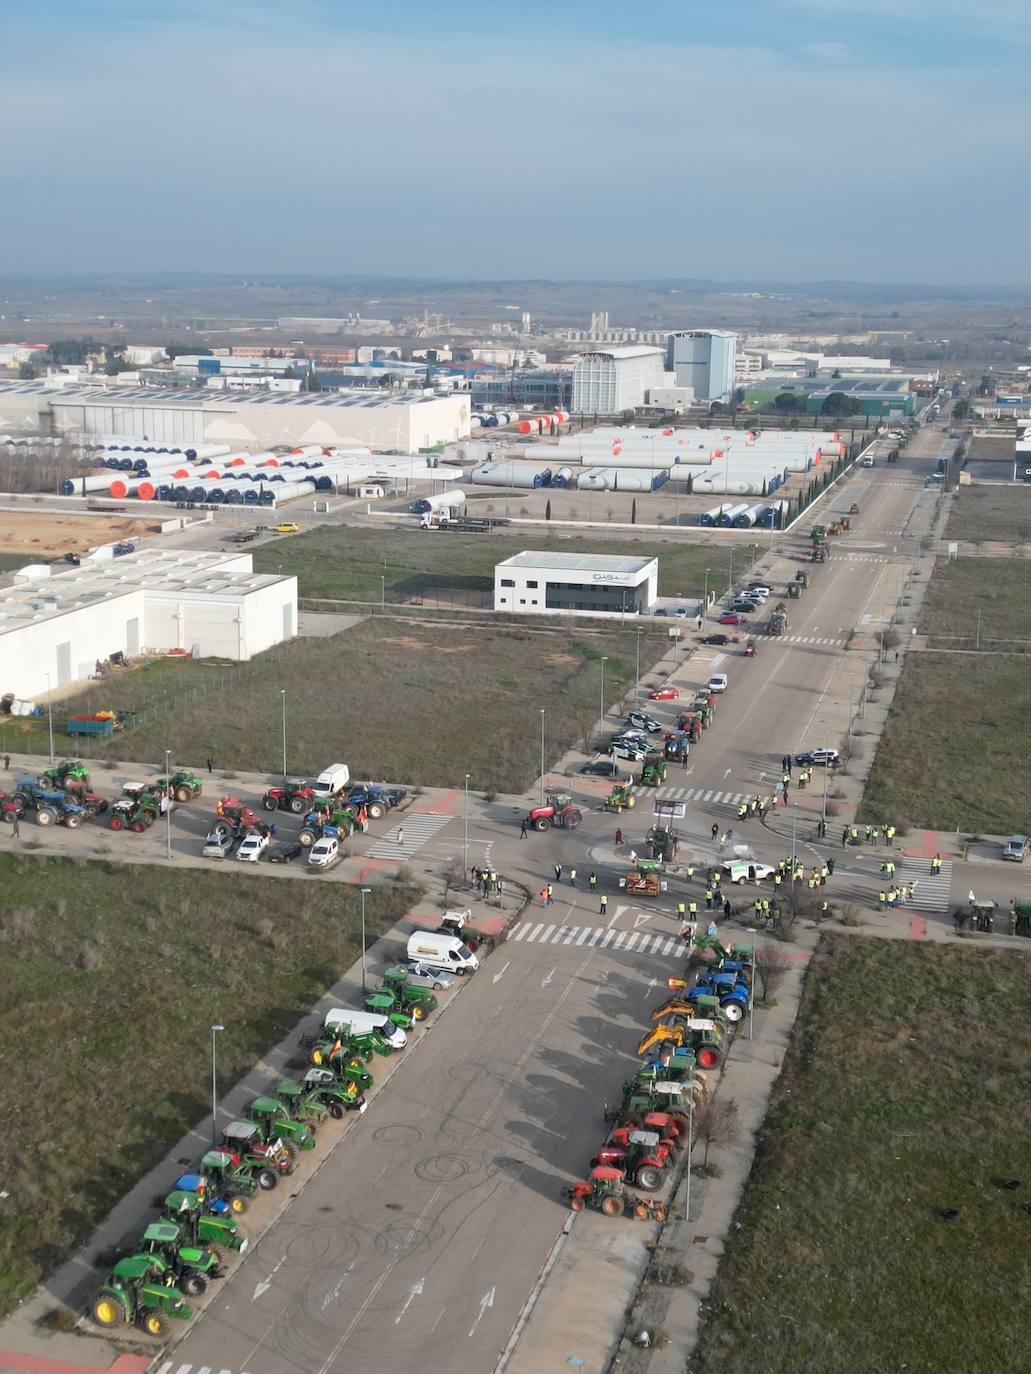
(273, 1120)
(455, 922)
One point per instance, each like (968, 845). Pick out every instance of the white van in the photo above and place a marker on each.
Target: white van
(331, 780)
(442, 951)
(362, 1022)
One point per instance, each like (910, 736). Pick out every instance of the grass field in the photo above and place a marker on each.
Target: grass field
(961, 589)
(953, 754)
(346, 563)
(407, 702)
(906, 1090)
(997, 514)
(109, 981)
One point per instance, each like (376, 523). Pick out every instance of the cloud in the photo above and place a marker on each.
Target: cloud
(827, 52)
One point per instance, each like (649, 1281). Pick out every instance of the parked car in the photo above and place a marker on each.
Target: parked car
(729, 618)
(324, 853)
(747, 871)
(287, 527)
(643, 721)
(422, 976)
(217, 845)
(603, 768)
(660, 610)
(664, 694)
(718, 682)
(628, 749)
(285, 852)
(682, 613)
(717, 639)
(742, 607)
(252, 847)
(1016, 848)
(829, 757)
(760, 587)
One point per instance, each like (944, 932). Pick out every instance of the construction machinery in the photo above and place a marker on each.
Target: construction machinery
(139, 1292)
(558, 811)
(701, 1034)
(621, 797)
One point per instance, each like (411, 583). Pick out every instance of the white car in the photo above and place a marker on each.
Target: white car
(252, 847)
(324, 853)
(718, 682)
(747, 871)
(628, 749)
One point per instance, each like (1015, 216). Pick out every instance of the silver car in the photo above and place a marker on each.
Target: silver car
(1016, 848)
(422, 976)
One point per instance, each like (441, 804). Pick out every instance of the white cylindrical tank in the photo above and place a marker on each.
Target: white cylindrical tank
(205, 451)
(596, 479)
(712, 486)
(289, 491)
(441, 500)
(510, 475)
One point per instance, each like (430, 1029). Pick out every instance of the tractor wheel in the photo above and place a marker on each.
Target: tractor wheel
(631, 801)
(107, 1311)
(374, 810)
(72, 821)
(306, 838)
(540, 823)
(270, 803)
(44, 816)
(418, 1012)
(733, 1011)
(336, 1111)
(572, 819)
(612, 1206)
(641, 1211)
(267, 1179)
(648, 1177)
(138, 827)
(291, 1154)
(153, 1323)
(298, 805)
(709, 1057)
(194, 1285)
(576, 1204)
(181, 794)
(238, 1205)
(117, 823)
(222, 831)
(680, 1121)
(660, 1211)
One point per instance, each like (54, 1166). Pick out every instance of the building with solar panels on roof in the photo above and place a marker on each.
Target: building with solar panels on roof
(563, 583)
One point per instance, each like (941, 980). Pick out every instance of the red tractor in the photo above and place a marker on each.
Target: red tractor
(604, 1190)
(641, 1155)
(235, 819)
(296, 795)
(558, 811)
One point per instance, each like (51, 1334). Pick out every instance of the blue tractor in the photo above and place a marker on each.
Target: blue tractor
(728, 987)
(51, 807)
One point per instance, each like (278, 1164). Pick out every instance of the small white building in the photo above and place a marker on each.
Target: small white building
(53, 631)
(610, 380)
(594, 584)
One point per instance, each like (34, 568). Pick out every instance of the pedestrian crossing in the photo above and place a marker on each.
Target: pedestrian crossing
(170, 1367)
(931, 894)
(402, 840)
(597, 937)
(834, 640)
(867, 558)
(718, 798)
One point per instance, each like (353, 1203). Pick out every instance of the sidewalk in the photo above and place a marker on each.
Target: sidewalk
(71, 1288)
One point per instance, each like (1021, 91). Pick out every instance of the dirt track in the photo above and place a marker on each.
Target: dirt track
(47, 536)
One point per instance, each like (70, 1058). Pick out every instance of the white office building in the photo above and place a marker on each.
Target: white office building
(611, 380)
(705, 360)
(591, 584)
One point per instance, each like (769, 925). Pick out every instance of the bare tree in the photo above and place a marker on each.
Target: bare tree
(771, 968)
(453, 875)
(716, 1123)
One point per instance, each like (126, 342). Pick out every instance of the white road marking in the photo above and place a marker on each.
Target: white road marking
(486, 1301)
(414, 1292)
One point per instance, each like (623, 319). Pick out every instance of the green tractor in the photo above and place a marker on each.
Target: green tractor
(622, 795)
(794, 590)
(194, 1218)
(183, 785)
(386, 1003)
(418, 1002)
(653, 771)
(222, 1186)
(663, 843)
(190, 1267)
(302, 1103)
(273, 1119)
(139, 1293)
(802, 578)
(247, 1146)
(70, 774)
(137, 808)
(336, 1094)
(329, 820)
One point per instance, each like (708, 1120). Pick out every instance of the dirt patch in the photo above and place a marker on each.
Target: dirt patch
(47, 536)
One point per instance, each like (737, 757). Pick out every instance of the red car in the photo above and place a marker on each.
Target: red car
(730, 618)
(664, 694)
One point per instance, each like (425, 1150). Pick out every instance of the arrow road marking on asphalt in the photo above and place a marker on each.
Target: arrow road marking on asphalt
(500, 973)
(486, 1301)
(618, 912)
(546, 981)
(728, 773)
(266, 1284)
(416, 1291)
(334, 1292)
(653, 983)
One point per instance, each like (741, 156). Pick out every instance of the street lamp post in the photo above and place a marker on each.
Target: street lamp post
(215, 1030)
(168, 804)
(794, 833)
(601, 695)
(542, 756)
(751, 987)
(363, 891)
(637, 670)
(382, 593)
(50, 719)
(465, 830)
(705, 595)
(690, 1149)
(282, 693)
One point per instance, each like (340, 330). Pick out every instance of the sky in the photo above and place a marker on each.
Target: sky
(788, 140)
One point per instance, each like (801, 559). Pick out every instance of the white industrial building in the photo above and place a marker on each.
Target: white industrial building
(610, 380)
(53, 629)
(537, 583)
(250, 419)
(705, 360)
